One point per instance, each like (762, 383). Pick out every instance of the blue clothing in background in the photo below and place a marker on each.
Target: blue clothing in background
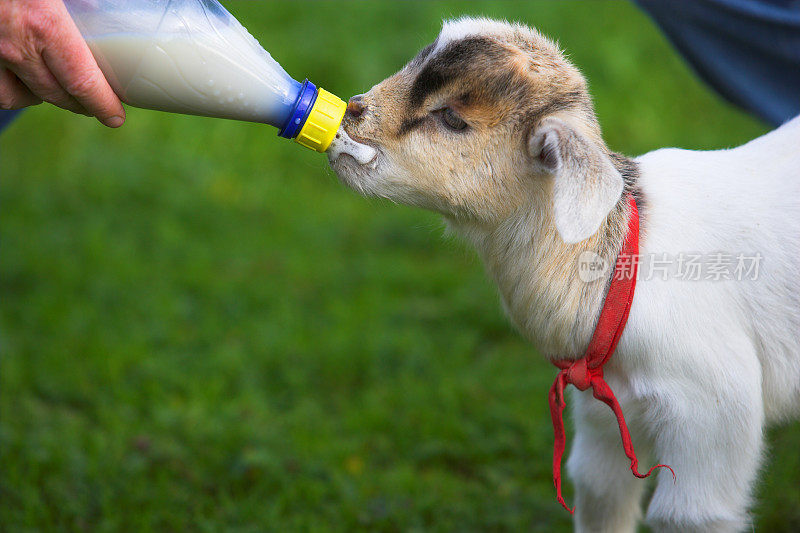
(748, 50)
(6, 117)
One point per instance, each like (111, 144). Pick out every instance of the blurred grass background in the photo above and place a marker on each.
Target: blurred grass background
(201, 329)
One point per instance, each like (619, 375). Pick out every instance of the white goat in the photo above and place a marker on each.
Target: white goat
(491, 126)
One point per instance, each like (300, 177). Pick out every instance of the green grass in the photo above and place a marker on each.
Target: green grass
(201, 329)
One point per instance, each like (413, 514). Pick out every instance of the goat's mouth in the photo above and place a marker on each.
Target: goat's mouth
(359, 139)
(362, 151)
(355, 162)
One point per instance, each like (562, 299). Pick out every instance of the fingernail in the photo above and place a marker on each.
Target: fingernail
(115, 122)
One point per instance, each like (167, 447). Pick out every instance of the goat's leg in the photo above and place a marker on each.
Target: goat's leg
(607, 496)
(712, 437)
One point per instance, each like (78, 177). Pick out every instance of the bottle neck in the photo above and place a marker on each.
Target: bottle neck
(300, 111)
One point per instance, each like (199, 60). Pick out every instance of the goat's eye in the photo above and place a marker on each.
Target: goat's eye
(452, 120)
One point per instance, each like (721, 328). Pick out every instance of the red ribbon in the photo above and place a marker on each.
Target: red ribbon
(587, 372)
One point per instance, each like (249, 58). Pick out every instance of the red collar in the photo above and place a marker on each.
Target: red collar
(587, 372)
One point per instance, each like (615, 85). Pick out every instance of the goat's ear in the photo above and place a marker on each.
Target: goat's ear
(586, 185)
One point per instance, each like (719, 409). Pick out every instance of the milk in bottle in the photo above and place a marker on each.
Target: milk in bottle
(193, 57)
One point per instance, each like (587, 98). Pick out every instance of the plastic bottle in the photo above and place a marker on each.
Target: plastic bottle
(193, 57)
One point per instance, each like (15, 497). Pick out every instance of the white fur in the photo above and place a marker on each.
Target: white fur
(703, 365)
(457, 29)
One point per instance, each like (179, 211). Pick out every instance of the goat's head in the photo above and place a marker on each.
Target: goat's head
(488, 119)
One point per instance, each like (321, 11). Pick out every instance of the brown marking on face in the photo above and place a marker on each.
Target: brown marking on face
(409, 124)
(473, 58)
(484, 79)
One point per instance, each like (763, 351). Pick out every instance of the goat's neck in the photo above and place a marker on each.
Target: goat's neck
(538, 276)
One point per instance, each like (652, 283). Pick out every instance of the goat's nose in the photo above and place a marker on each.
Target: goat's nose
(355, 107)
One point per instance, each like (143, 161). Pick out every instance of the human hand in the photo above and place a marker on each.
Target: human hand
(44, 58)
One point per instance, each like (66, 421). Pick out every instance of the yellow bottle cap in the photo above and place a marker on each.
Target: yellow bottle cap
(323, 121)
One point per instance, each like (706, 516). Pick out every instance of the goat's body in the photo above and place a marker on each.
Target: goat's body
(740, 201)
(702, 365)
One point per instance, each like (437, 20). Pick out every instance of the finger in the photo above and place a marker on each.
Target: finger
(41, 82)
(72, 64)
(13, 93)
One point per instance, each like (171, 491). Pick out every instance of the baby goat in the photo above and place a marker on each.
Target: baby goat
(492, 127)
